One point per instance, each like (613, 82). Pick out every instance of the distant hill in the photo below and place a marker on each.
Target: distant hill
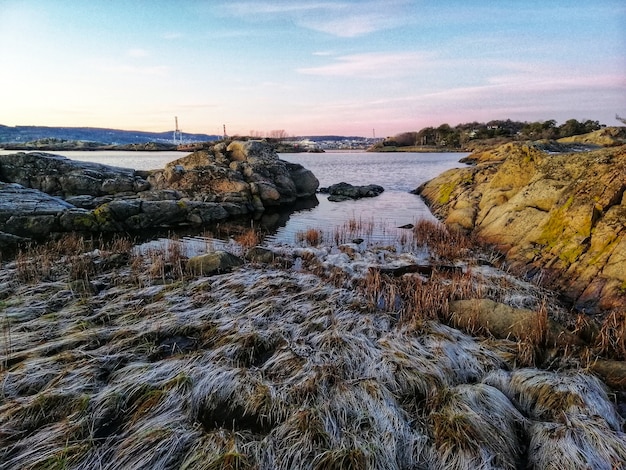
(23, 134)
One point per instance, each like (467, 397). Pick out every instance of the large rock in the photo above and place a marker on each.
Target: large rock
(345, 191)
(27, 212)
(60, 176)
(506, 322)
(248, 173)
(559, 217)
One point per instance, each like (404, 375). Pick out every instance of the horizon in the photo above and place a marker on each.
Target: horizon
(166, 131)
(335, 67)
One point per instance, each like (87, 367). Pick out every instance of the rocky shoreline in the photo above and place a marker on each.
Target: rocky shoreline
(42, 194)
(559, 218)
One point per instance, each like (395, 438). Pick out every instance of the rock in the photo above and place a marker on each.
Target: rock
(345, 191)
(60, 176)
(505, 322)
(204, 187)
(559, 217)
(245, 173)
(28, 212)
(305, 182)
(213, 263)
(259, 254)
(8, 240)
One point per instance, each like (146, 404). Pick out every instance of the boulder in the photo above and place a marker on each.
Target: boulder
(305, 182)
(247, 173)
(60, 176)
(345, 191)
(27, 212)
(213, 263)
(559, 217)
(506, 322)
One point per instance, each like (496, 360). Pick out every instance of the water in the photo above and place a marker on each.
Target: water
(379, 217)
(125, 159)
(376, 220)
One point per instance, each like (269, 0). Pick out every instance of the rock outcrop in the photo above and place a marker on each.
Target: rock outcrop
(345, 191)
(559, 217)
(247, 173)
(43, 193)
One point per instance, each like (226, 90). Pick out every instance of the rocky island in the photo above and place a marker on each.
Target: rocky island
(42, 193)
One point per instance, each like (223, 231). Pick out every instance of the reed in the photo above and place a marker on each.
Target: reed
(311, 236)
(444, 243)
(249, 238)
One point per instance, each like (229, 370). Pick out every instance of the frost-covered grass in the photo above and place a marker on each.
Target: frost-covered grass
(119, 358)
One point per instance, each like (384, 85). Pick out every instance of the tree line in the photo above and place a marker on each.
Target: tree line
(460, 135)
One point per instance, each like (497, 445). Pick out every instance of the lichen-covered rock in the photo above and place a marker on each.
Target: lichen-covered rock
(561, 217)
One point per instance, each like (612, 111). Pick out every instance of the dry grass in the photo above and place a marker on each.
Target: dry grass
(273, 369)
(249, 238)
(611, 339)
(443, 242)
(311, 237)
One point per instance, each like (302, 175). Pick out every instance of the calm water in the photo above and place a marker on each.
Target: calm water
(374, 219)
(377, 217)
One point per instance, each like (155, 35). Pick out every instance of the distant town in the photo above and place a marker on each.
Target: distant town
(88, 138)
(462, 137)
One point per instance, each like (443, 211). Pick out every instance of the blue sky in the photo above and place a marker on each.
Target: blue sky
(309, 67)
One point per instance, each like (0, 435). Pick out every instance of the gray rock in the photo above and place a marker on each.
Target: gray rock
(249, 174)
(201, 213)
(259, 254)
(345, 191)
(206, 186)
(213, 263)
(57, 175)
(304, 180)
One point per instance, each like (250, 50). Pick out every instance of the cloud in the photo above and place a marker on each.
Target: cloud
(338, 18)
(373, 64)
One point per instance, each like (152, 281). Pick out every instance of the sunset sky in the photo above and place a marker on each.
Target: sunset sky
(309, 67)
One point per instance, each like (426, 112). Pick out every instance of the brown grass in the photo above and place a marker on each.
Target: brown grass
(249, 238)
(447, 244)
(311, 236)
(611, 340)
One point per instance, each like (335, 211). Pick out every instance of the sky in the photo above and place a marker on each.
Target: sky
(309, 67)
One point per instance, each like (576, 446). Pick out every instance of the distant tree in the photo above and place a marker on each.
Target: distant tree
(571, 127)
(620, 119)
(426, 136)
(406, 139)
